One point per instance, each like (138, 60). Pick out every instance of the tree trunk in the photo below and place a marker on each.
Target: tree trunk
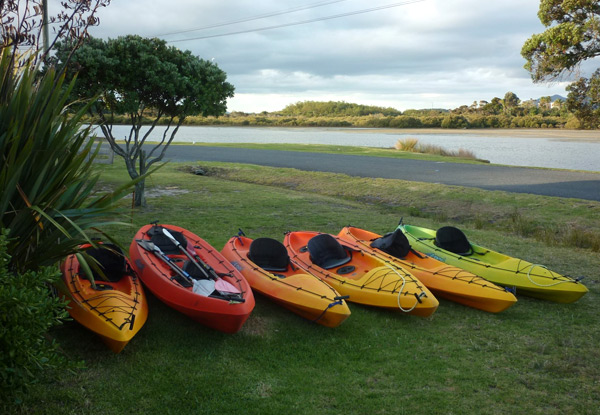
(140, 197)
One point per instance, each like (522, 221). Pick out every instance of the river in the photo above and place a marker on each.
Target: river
(538, 149)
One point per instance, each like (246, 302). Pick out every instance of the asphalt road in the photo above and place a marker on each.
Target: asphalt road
(558, 183)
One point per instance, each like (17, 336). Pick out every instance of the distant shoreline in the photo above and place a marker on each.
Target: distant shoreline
(591, 136)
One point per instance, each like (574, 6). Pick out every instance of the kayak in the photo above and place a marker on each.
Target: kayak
(189, 275)
(355, 272)
(450, 245)
(444, 281)
(265, 264)
(114, 305)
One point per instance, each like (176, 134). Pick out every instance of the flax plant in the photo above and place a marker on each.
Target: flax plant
(47, 175)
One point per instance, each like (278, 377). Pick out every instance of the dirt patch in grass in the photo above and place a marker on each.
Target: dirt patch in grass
(165, 191)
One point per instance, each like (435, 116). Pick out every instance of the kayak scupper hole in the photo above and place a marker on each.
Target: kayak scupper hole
(346, 270)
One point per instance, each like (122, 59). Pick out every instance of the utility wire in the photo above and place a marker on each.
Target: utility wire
(260, 16)
(389, 6)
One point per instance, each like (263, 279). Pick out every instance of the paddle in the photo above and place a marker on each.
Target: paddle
(220, 284)
(205, 288)
(200, 288)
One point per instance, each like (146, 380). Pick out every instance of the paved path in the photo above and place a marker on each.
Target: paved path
(512, 179)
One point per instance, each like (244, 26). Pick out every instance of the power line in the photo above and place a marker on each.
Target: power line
(389, 6)
(260, 16)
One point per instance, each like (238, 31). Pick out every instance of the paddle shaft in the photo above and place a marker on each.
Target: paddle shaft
(191, 258)
(149, 246)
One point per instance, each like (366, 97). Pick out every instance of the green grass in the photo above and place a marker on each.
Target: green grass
(354, 150)
(536, 357)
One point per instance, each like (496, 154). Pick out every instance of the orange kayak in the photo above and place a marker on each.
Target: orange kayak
(445, 281)
(115, 307)
(265, 263)
(179, 277)
(358, 273)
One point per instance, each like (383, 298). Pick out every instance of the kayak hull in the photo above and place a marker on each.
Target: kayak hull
(523, 277)
(216, 313)
(115, 311)
(366, 279)
(292, 288)
(444, 281)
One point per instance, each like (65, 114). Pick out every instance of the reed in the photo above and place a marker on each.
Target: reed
(412, 145)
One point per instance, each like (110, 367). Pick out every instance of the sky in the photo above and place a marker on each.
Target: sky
(411, 54)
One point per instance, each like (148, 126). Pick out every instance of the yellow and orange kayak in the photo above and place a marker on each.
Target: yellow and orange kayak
(265, 264)
(445, 281)
(361, 275)
(115, 307)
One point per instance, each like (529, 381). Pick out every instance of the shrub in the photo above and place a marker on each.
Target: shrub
(407, 144)
(27, 312)
(47, 175)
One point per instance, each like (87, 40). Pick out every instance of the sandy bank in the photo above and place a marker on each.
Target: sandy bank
(553, 134)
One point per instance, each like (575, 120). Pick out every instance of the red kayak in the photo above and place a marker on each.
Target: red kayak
(192, 277)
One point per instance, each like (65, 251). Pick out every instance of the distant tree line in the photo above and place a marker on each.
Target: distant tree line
(507, 112)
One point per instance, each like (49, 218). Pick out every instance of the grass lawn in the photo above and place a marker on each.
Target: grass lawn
(536, 357)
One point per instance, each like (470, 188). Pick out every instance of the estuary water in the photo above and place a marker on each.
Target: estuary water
(537, 149)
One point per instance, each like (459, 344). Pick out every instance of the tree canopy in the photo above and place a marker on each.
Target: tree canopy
(146, 80)
(572, 36)
(584, 100)
(335, 108)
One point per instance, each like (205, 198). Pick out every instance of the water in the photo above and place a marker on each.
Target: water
(515, 151)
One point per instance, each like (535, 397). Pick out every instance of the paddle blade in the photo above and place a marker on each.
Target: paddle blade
(204, 287)
(224, 287)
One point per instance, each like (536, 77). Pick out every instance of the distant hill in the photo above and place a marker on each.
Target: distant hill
(557, 97)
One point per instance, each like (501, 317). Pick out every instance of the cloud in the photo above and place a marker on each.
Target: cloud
(428, 53)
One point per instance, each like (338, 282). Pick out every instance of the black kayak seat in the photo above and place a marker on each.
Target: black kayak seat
(454, 240)
(195, 271)
(326, 252)
(158, 238)
(110, 259)
(393, 243)
(269, 254)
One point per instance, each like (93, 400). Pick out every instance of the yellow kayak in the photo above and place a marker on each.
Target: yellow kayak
(265, 264)
(355, 272)
(444, 281)
(449, 245)
(115, 307)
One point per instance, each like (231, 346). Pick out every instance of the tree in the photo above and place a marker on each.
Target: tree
(510, 102)
(144, 79)
(584, 100)
(572, 36)
(22, 24)
(545, 102)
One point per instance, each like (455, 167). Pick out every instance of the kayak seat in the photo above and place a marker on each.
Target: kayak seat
(110, 259)
(195, 272)
(269, 254)
(326, 252)
(393, 243)
(158, 238)
(454, 240)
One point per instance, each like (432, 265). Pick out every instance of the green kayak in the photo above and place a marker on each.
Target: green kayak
(451, 246)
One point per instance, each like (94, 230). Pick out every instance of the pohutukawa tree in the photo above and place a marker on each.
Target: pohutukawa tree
(572, 36)
(146, 80)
